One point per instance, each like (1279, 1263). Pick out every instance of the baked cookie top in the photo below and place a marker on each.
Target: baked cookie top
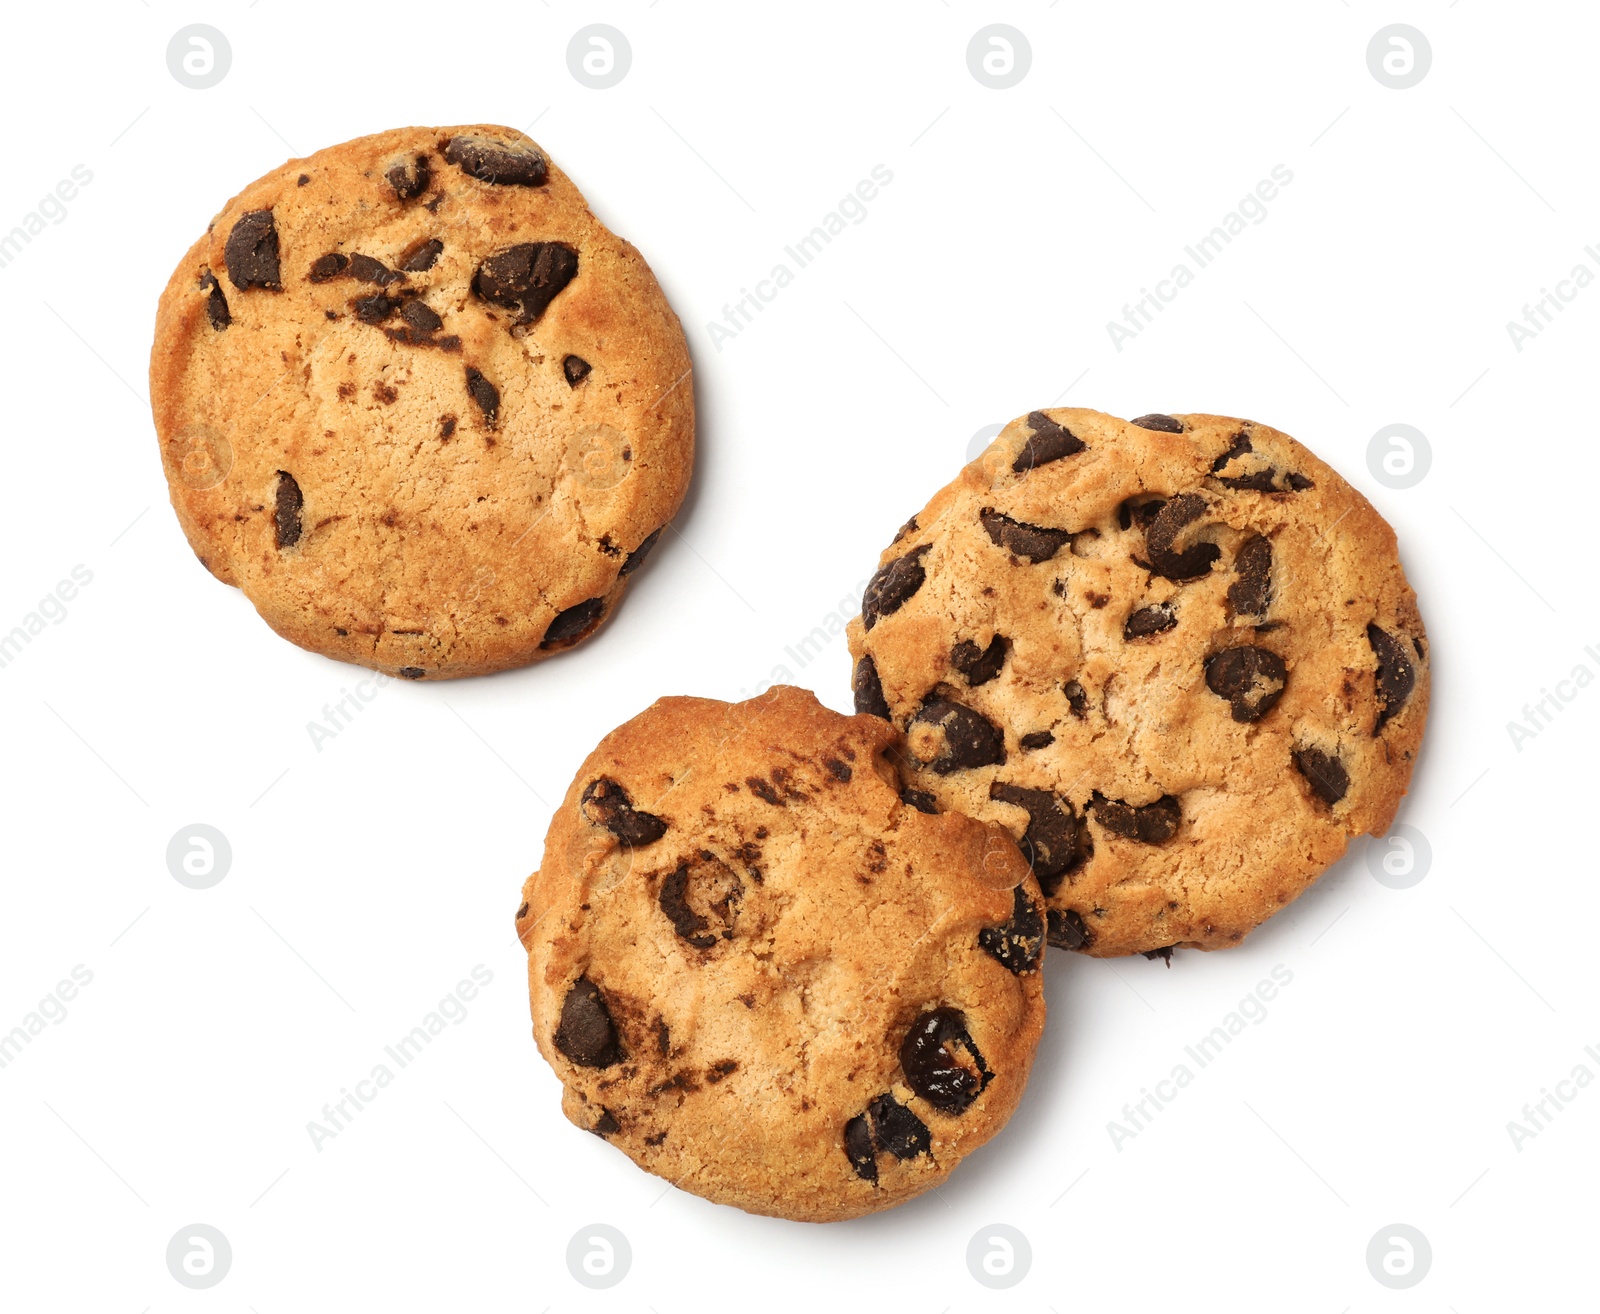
(420, 404)
(1176, 656)
(764, 977)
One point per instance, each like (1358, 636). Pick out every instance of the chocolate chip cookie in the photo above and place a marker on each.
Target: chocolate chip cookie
(1177, 657)
(764, 976)
(420, 405)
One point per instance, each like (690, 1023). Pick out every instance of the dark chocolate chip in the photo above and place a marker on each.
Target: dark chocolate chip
(764, 791)
(1055, 842)
(421, 316)
(1049, 442)
(1016, 945)
(1153, 823)
(330, 266)
(970, 739)
(868, 689)
(216, 303)
(1163, 532)
(1251, 591)
(1032, 541)
(286, 510)
(573, 624)
(920, 799)
(637, 556)
(412, 672)
(497, 162)
(980, 665)
(1038, 739)
(1164, 953)
(607, 1125)
(898, 1130)
(1150, 620)
(1077, 698)
(1298, 482)
(910, 527)
(586, 1034)
(858, 1149)
(447, 427)
(302, 180)
(576, 370)
(1323, 772)
(941, 1061)
(889, 589)
(840, 771)
(371, 270)
(485, 394)
(421, 257)
(374, 309)
(526, 278)
(711, 884)
(1260, 481)
(606, 803)
(1159, 423)
(1067, 929)
(1238, 446)
(252, 251)
(1396, 675)
(522, 911)
(1251, 679)
(409, 178)
(1131, 511)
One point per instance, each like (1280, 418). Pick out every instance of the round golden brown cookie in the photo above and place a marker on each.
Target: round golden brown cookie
(420, 404)
(1176, 656)
(764, 977)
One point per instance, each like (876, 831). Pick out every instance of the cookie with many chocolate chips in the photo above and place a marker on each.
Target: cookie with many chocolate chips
(420, 405)
(763, 976)
(1176, 657)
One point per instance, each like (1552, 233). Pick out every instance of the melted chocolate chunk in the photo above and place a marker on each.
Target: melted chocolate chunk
(1251, 679)
(970, 739)
(497, 162)
(370, 270)
(702, 901)
(980, 665)
(1055, 841)
(573, 624)
(941, 1061)
(409, 178)
(1238, 446)
(892, 586)
(840, 771)
(898, 1130)
(1067, 929)
(286, 510)
(1153, 823)
(485, 394)
(1077, 698)
(858, 1149)
(1324, 773)
(586, 1034)
(1032, 541)
(526, 278)
(216, 303)
(636, 557)
(420, 258)
(1150, 620)
(1037, 739)
(1159, 423)
(1260, 481)
(327, 267)
(1396, 675)
(1163, 532)
(412, 672)
(1164, 953)
(910, 527)
(1049, 442)
(252, 251)
(1250, 594)
(1298, 482)
(421, 317)
(606, 803)
(920, 799)
(868, 689)
(374, 309)
(1016, 945)
(607, 1124)
(576, 370)
(1131, 511)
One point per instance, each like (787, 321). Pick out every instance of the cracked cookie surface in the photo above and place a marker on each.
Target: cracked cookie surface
(1177, 657)
(763, 976)
(420, 405)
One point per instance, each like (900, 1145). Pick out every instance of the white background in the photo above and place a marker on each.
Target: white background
(369, 877)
